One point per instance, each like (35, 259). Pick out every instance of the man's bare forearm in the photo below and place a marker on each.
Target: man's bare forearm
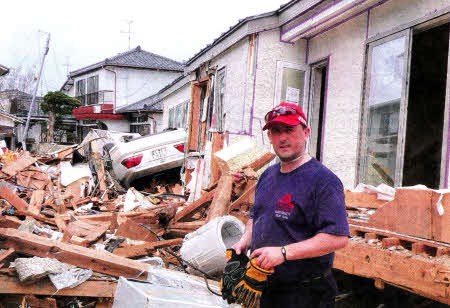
(319, 245)
(247, 236)
(244, 243)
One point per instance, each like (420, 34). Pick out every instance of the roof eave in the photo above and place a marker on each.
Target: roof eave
(228, 33)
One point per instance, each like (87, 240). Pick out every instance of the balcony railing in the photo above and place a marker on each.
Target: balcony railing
(100, 97)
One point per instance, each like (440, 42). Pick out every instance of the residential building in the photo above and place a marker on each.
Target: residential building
(18, 103)
(108, 86)
(371, 76)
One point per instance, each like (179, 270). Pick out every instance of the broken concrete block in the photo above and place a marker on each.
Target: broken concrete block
(134, 199)
(35, 268)
(238, 155)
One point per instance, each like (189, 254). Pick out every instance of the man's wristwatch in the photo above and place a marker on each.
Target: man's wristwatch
(283, 252)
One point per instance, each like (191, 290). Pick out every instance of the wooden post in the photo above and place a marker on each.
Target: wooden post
(221, 201)
(217, 145)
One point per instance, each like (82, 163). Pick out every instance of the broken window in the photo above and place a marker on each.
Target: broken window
(80, 91)
(316, 108)
(92, 90)
(218, 118)
(404, 109)
(178, 115)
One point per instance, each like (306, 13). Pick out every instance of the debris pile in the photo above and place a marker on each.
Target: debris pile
(64, 216)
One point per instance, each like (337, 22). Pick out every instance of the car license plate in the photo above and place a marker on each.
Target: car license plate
(159, 154)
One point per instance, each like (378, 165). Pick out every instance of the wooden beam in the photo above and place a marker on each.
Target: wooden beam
(99, 166)
(422, 276)
(6, 254)
(219, 205)
(247, 197)
(89, 288)
(145, 249)
(261, 162)
(188, 226)
(217, 145)
(31, 301)
(12, 197)
(37, 198)
(98, 261)
(194, 206)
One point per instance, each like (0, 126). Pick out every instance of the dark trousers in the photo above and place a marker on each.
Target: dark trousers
(314, 293)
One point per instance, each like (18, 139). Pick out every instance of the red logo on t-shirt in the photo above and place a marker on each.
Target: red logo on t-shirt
(284, 207)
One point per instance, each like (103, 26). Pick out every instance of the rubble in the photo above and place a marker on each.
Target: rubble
(67, 209)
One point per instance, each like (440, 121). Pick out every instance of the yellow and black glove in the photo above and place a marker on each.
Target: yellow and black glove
(233, 273)
(248, 291)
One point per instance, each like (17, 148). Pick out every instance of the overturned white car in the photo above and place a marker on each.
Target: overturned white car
(142, 156)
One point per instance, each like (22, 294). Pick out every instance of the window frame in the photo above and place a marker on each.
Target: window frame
(402, 118)
(279, 81)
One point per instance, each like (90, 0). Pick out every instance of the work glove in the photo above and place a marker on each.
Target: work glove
(248, 291)
(233, 273)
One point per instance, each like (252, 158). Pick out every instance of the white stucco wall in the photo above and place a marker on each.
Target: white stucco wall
(117, 125)
(160, 125)
(244, 90)
(397, 12)
(134, 84)
(345, 45)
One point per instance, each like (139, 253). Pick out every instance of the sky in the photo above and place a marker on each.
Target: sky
(84, 32)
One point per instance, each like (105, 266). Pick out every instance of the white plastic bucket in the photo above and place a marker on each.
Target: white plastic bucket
(205, 248)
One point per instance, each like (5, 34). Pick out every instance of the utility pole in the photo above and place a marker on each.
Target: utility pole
(129, 22)
(25, 132)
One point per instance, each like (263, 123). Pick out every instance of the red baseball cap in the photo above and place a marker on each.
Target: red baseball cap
(287, 113)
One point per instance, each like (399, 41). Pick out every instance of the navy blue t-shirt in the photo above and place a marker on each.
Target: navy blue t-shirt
(295, 206)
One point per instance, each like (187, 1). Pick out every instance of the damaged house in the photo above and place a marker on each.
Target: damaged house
(361, 70)
(114, 91)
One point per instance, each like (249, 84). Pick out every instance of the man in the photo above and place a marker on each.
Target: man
(298, 219)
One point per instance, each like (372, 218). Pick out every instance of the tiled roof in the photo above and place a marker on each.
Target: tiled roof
(151, 103)
(135, 58)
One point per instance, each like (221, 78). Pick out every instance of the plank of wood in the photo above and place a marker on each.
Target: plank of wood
(132, 230)
(21, 163)
(219, 205)
(10, 222)
(98, 261)
(37, 198)
(189, 226)
(422, 276)
(89, 232)
(194, 206)
(362, 199)
(30, 300)
(409, 205)
(248, 197)
(261, 161)
(89, 288)
(217, 145)
(12, 198)
(6, 254)
(99, 166)
(145, 249)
